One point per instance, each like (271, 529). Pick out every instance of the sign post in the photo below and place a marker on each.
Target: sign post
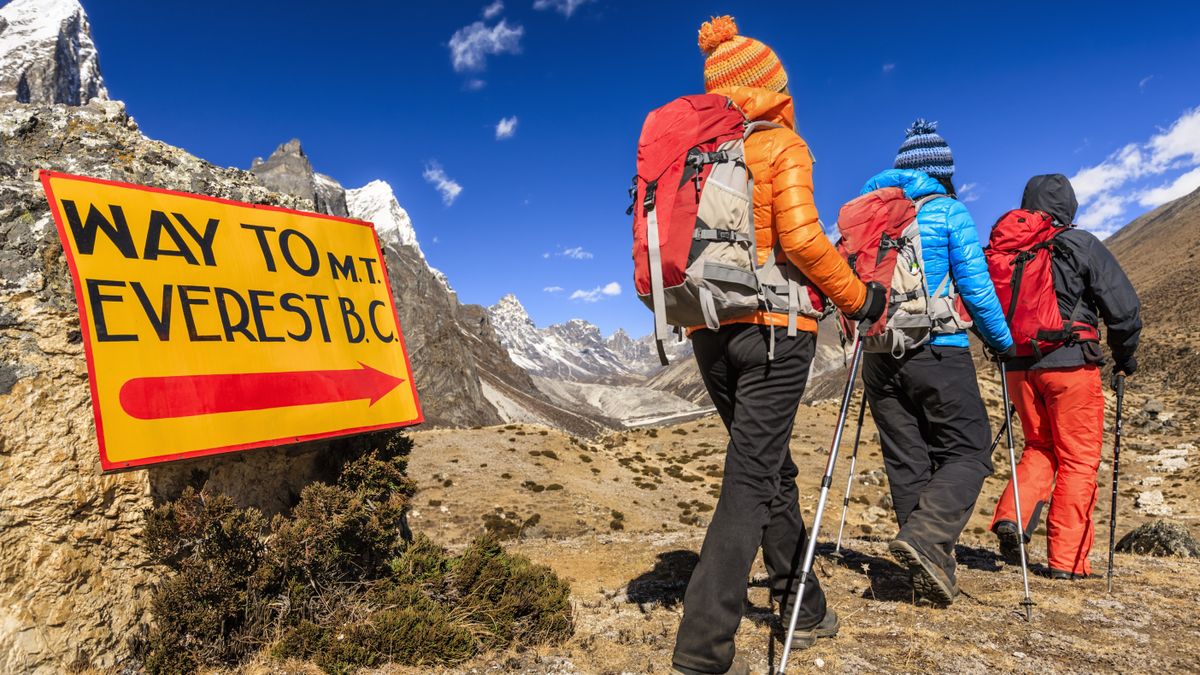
(214, 326)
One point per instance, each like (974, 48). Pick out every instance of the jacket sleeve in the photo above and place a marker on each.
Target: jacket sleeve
(1116, 300)
(799, 229)
(969, 270)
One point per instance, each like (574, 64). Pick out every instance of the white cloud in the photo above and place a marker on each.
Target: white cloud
(553, 289)
(888, 67)
(1106, 190)
(546, 255)
(968, 192)
(447, 186)
(1144, 81)
(506, 128)
(1182, 185)
(474, 84)
(576, 253)
(564, 7)
(471, 45)
(493, 10)
(611, 289)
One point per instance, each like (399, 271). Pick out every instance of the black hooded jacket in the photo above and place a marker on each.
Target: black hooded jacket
(1083, 267)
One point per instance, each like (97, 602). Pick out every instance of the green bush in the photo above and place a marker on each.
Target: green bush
(339, 581)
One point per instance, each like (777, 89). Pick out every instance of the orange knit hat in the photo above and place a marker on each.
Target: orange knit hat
(736, 60)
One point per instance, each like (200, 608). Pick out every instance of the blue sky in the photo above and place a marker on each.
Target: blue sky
(1094, 90)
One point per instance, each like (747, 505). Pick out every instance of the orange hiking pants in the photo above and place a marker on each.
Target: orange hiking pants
(1062, 415)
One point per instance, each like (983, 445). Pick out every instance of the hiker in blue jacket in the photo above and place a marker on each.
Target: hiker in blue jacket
(926, 404)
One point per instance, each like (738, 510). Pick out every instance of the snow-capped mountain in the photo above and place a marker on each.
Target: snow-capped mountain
(575, 350)
(47, 54)
(376, 203)
(641, 355)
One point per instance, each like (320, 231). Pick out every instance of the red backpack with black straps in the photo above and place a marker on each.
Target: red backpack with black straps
(1020, 257)
(881, 241)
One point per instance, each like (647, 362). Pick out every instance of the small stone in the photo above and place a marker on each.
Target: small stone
(820, 663)
(1153, 503)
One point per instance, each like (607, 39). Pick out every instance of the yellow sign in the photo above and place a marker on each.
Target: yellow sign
(212, 326)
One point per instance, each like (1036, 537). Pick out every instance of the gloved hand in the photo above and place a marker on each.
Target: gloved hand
(1126, 365)
(1007, 355)
(874, 305)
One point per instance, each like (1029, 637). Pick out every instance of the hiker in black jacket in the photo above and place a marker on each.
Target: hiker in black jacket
(1059, 395)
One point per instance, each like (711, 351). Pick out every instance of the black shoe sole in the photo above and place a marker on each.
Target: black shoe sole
(1010, 545)
(924, 580)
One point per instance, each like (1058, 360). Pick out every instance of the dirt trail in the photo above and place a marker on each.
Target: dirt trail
(624, 518)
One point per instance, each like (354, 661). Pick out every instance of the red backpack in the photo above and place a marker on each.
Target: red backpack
(694, 250)
(1020, 259)
(881, 241)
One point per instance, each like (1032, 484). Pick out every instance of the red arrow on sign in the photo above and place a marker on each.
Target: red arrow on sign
(152, 398)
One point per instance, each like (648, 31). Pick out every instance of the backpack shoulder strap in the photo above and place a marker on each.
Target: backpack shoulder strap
(760, 125)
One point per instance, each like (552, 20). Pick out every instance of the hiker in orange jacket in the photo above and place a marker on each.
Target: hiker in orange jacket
(756, 395)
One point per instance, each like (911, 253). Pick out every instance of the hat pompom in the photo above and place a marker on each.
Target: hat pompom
(715, 32)
(920, 126)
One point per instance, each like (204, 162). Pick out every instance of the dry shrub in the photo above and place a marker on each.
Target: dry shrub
(339, 581)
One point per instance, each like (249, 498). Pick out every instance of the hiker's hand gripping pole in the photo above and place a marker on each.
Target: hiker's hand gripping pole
(826, 481)
(1112, 518)
(1027, 603)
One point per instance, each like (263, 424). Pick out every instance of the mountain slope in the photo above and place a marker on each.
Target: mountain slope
(1160, 252)
(47, 54)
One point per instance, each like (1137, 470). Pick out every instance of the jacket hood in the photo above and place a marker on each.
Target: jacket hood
(760, 104)
(916, 184)
(1052, 194)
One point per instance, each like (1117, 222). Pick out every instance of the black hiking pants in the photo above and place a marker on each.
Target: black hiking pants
(758, 507)
(935, 436)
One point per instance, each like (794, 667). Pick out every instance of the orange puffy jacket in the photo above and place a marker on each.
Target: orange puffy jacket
(784, 210)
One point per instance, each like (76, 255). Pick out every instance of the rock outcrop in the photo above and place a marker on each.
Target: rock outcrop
(288, 170)
(47, 54)
(1160, 538)
(73, 576)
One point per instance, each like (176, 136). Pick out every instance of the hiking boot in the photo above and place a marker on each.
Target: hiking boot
(1009, 536)
(928, 580)
(1063, 575)
(803, 638)
(738, 667)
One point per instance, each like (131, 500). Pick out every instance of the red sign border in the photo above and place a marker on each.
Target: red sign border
(106, 466)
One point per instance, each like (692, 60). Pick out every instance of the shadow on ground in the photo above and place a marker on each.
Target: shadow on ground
(665, 583)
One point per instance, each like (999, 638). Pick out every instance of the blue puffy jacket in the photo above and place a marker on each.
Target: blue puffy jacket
(949, 242)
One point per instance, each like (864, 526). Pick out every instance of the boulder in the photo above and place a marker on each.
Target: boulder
(1160, 538)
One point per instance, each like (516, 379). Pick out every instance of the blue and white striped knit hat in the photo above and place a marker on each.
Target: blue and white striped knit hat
(924, 150)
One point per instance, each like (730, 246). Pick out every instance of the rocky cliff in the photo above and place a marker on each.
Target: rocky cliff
(47, 54)
(74, 577)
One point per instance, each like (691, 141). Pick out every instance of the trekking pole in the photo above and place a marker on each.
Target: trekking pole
(1112, 518)
(1027, 603)
(1000, 434)
(862, 409)
(826, 481)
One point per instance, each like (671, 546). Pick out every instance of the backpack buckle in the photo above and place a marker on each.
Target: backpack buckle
(648, 201)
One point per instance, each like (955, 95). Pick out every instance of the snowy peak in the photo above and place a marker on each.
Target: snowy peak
(375, 202)
(510, 310)
(574, 350)
(47, 54)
